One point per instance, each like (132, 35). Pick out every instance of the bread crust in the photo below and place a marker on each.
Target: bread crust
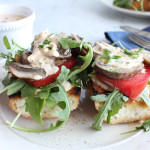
(132, 110)
(16, 102)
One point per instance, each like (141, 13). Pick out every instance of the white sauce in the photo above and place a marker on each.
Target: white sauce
(125, 61)
(10, 18)
(44, 57)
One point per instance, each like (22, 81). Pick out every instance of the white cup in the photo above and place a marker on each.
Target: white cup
(21, 31)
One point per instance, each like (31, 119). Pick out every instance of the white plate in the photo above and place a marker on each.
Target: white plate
(75, 134)
(133, 13)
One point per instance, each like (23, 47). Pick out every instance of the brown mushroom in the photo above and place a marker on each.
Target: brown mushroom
(24, 57)
(116, 72)
(26, 71)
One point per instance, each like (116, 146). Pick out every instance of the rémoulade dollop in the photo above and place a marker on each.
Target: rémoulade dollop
(125, 61)
(45, 55)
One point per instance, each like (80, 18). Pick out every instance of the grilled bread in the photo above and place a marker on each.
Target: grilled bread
(16, 102)
(132, 110)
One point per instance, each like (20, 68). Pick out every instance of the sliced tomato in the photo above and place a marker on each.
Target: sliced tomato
(70, 63)
(130, 87)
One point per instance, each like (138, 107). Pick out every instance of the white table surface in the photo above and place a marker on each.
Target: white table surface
(90, 19)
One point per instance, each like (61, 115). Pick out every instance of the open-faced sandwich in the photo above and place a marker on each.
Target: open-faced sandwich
(143, 5)
(119, 84)
(45, 81)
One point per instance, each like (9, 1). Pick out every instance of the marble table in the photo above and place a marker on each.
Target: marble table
(90, 19)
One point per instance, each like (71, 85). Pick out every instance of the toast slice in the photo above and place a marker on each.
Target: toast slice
(16, 102)
(132, 110)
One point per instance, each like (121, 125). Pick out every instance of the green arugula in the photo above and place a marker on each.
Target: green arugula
(9, 59)
(113, 70)
(108, 57)
(15, 85)
(6, 81)
(123, 3)
(87, 60)
(34, 106)
(67, 43)
(145, 126)
(130, 53)
(28, 90)
(83, 74)
(16, 88)
(142, 5)
(12, 51)
(113, 103)
(145, 96)
(99, 98)
(6, 42)
(46, 42)
(20, 51)
(63, 75)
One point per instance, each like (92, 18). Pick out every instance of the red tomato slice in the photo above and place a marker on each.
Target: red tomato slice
(70, 63)
(130, 87)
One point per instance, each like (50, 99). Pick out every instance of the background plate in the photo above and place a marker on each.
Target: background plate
(129, 12)
(75, 134)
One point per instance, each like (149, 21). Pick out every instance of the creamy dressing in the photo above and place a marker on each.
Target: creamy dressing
(45, 57)
(10, 18)
(125, 61)
(40, 60)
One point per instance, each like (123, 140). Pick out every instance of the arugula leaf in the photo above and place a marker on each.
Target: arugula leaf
(127, 52)
(111, 107)
(142, 5)
(145, 96)
(125, 98)
(18, 115)
(34, 106)
(99, 98)
(16, 88)
(108, 57)
(50, 104)
(51, 128)
(17, 45)
(6, 42)
(123, 3)
(28, 90)
(12, 86)
(87, 60)
(63, 75)
(46, 42)
(117, 104)
(67, 43)
(76, 81)
(113, 70)
(50, 48)
(145, 126)
(10, 56)
(9, 59)
(63, 114)
(6, 81)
